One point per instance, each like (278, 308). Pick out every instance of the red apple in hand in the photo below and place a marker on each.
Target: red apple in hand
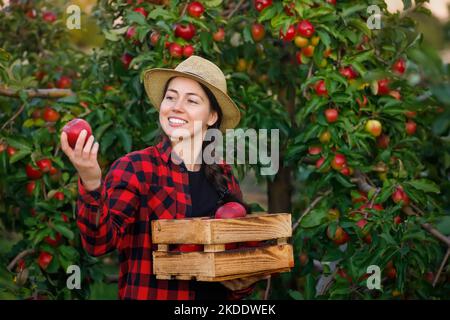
(73, 129)
(230, 210)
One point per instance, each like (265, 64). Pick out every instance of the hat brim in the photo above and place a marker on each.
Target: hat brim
(156, 79)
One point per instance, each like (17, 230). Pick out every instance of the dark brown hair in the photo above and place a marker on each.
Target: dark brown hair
(213, 172)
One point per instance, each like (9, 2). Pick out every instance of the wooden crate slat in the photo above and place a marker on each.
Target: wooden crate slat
(254, 227)
(211, 266)
(253, 260)
(243, 275)
(183, 264)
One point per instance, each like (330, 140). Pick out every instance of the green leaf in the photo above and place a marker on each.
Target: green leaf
(159, 12)
(125, 139)
(69, 252)
(424, 185)
(19, 155)
(444, 225)
(296, 295)
(66, 232)
(314, 218)
(135, 17)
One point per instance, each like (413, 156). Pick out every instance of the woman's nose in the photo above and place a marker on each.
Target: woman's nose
(178, 105)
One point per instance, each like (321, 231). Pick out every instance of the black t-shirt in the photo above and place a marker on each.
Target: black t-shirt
(204, 201)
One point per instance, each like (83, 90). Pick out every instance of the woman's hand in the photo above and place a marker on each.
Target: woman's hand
(84, 159)
(243, 283)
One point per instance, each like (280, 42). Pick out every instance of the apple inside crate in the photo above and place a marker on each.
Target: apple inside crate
(208, 249)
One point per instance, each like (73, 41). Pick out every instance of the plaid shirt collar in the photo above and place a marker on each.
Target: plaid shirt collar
(164, 148)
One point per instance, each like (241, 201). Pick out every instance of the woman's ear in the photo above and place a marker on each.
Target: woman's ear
(213, 116)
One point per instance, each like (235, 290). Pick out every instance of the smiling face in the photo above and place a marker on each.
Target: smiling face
(185, 103)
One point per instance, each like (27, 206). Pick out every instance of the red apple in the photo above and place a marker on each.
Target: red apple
(49, 16)
(59, 196)
(410, 127)
(32, 172)
(400, 196)
(188, 51)
(260, 5)
(176, 51)
(314, 150)
(126, 59)
(187, 32)
(53, 241)
(141, 11)
(321, 89)
(131, 33)
(44, 259)
(305, 29)
(410, 114)
(44, 164)
(397, 220)
(308, 51)
(230, 210)
(339, 237)
(219, 35)
(31, 14)
(320, 162)
(11, 151)
(154, 38)
(383, 141)
(73, 129)
(338, 162)
(64, 82)
(50, 115)
(30, 187)
(331, 115)
(383, 87)
(298, 56)
(188, 248)
(348, 72)
(290, 34)
(399, 66)
(195, 9)
(258, 32)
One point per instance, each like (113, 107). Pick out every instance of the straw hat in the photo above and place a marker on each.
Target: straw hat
(201, 70)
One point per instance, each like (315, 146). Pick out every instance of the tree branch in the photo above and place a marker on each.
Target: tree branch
(21, 255)
(444, 261)
(267, 292)
(309, 208)
(37, 93)
(22, 107)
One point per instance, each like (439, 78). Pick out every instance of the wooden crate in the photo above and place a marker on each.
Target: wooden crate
(215, 263)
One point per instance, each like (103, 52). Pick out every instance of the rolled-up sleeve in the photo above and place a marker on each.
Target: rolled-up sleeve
(104, 214)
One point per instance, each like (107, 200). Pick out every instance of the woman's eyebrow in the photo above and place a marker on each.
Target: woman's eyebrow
(189, 93)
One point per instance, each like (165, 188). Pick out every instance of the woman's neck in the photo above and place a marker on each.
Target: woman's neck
(189, 150)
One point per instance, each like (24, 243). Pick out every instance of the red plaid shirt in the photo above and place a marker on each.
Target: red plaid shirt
(141, 186)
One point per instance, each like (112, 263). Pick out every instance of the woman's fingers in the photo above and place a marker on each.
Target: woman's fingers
(87, 148)
(94, 151)
(80, 143)
(65, 146)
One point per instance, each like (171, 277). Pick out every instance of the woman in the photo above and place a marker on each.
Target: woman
(160, 182)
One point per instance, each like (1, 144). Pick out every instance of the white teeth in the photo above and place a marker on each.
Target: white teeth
(178, 121)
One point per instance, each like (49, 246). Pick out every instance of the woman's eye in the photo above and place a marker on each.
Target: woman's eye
(169, 98)
(193, 101)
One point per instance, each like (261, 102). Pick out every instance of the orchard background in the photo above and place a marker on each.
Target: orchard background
(363, 117)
